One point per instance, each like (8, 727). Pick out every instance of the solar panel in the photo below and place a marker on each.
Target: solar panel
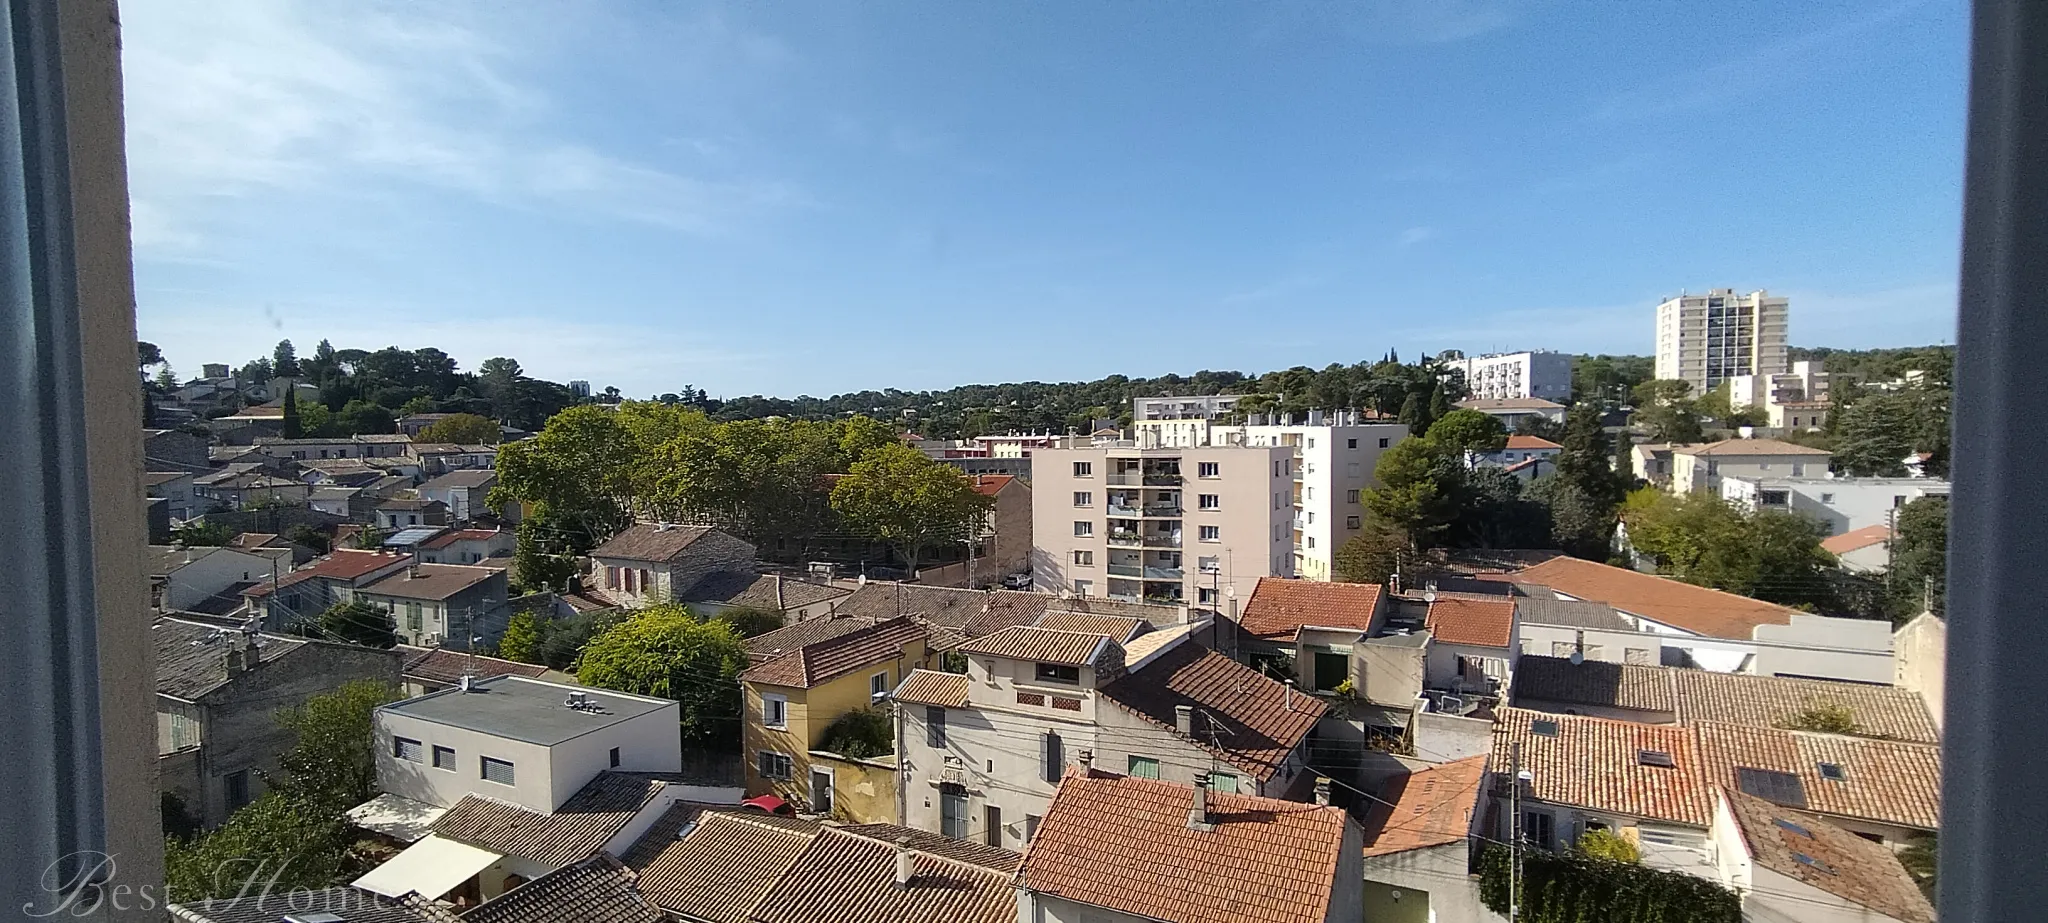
(1833, 772)
(1654, 758)
(1804, 859)
(1795, 828)
(411, 536)
(1543, 728)
(1772, 786)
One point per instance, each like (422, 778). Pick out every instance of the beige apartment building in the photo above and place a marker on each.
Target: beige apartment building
(1177, 526)
(1708, 338)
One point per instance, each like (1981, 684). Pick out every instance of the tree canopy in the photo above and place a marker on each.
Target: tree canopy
(898, 495)
(461, 429)
(1702, 539)
(664, 651)
(358, 622)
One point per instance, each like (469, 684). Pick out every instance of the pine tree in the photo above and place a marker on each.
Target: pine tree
(292, 427)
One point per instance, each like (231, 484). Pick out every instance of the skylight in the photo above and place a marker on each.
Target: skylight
(1792, 827)
(1833, 772)
(1770, 785)
(1543, 728)
(1654, 758)
(1806, 860)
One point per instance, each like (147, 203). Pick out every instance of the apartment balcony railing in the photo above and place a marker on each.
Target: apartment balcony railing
(1162, 573)
(1128, 512)
(1163, 480)
(1126, 597)
(1126, 570)
(1162, 541)
(1163, 512)
(1124, 538)
(1123, 480)
(1164, 599)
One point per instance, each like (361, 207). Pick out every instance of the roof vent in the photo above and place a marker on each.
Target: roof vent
(906, 863)
(317, 916)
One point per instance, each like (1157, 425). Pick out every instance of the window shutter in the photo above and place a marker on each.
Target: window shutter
(1055, 759)
(935, 726)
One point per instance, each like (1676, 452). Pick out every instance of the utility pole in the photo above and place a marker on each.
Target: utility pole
(1515, 834)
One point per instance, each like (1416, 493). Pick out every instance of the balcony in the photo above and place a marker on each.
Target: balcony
(1163, 512)
(1126, 570)
(1123, 480)
(1165, 599)
(1162, 541)
(1124, 539)
(1120, 510)
(1163, 480)
(1162, 573)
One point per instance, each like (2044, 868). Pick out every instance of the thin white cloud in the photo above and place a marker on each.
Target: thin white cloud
(1416, 235)
(236, 98)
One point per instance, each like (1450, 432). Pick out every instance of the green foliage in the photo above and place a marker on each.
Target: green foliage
(1667, 413)
(1463, 431)
(313, 538)
(462, 429)
(359, 622)
(578, 473)
(1412, 497)
(1827, 717)
(521, 640)
(561, 641)
(1919, 557)
(1371, 556)
(369, 538)
(535, 568)
(663, 651)
(748, 622)
(1701, 539)
(1570, 888)
(147, 354)
(1921, 859)
(1603, 844)
(861, 734)
(201, 533)
(898, 495)
(1608, 381)
(360, 418)
(331, 766)
(179, 824)
(294, 428)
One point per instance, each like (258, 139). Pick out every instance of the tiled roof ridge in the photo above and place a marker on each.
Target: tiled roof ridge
(892, 844)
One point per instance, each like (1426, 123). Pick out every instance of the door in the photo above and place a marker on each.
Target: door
(1331, 670)
(953, 811)
(992, 826)
(821, 791)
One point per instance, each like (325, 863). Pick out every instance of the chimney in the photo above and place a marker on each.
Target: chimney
(1287, 694)
(1086, 758)
(1323, 790)
(1394, 583)
(238, 660)
(778, 592)
(1184, 719)
(906, 862)
(1198, 814)
(467, 678)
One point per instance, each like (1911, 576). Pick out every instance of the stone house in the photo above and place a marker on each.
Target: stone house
(662, 562)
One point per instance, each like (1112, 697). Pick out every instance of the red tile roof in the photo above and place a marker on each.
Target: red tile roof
(989, 485)
(1246, 718)
(1888, 782)
(816, 663)
(1279, 607)
(1428, 807)
(1596, 763)
(930, 687)
(721, 864)
(1478, 622)
(1531, 442)
(1047, 645)
(1125, 844)
(343, 564)
(1681, 605)
(1119, 628)
(1749, 447)
(1857, 539)
(845, 877)
(1848, 866)
(460, 535)
(443, 666)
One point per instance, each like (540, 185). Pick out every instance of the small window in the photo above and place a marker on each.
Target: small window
(1383, 443)
(615, 758)
(774, 766)
(1223, 782)
(1655, 758)
(1208, 564)
(1351, 443)
(1811, 862)
(1543, 727)
(1208, 469)
(1770, 785)
(499, 771)
(444, 758)
(1209, 501)
(1827, 498)
(1351, 496)
(1205, 595)
(1084, 498)
(1083, 528)
(1084, 469)
(1084, 558)
(237, 788)
(1143, 767)
(1052, 753)
(775, 711)
(1833, 772)
(1059, 673)
(406, 748)
(1352, 522)
(1083, 587)
(934, 727)
(1212, 533)
(878, 686)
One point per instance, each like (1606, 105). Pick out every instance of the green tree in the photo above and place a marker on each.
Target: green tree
(579, 475)
(521, 639)
(461, 429)
(1411, 497)
(1918, 575)
(534, 566)
(1604, 844)
(1826, 717)
(369, 538)
(1921, 857)
(274, 842)
(201, 533)
(748, 622)
(331, 766)
(1704, 540)
(1664, 409)
(359, 418)
(294, 428)
(1372, 556)
(863, 733)
(662, 651)
(359, 622)
(166, 379)
(898, 495)
(147, 354)
(284, 361)
(319, 541)
(1462, 431)
(1874, 436)
(1586, 492)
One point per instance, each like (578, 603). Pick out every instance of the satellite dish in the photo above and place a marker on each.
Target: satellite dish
(1578, 657)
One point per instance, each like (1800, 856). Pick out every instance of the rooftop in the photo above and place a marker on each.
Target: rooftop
(1703, 696)
(1680, 605)
(1884, 781)
(1427, 807)
(1598, 763)
(431, 581)
(649, 541)
(760, 591)
(1046, 645)
(1808, 849)
(263, 906)
(1477, 622)
(1520, 442)
(1595, 682)
(1509, 403)
(462, 478)
(1857, 539)
(800, 633)
(1279, 607)
(451, 536)
(931, 687)
(1570, 613)
(1245, 717)
(1119, 628)
(989, 485)
(445, 666)
(581, 826)
(518, 708)
(821, 661)
(1747, 447)
(599, 889)
(192, 657)
(1125, 844)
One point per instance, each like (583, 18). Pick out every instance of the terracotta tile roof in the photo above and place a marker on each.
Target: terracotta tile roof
(599, 889)
(1247, 719)
(432, 581)
(1884, 781)
(989, 857)
(758, 591)
(930, 687)
(1681, 605)
(262, 906)
(583, 824)
(1595, 682)
(1478, 622)
(1119, 628)
(345, 564)
(1769, 701)
(816, 663)
(988, 485)
(1595, 763)
(797, 634)
(444, 666)
(1145, 645)
(722, 866)
(1428, 807)
(1124, 843)
(1046, 645)
(1743, 447)
(967, 613)
(843, 877)
(452, 536)
(1852, 868)
(589, 600)
(1279, 606)
(651, 542)
(1857, 539)
(1531, 442)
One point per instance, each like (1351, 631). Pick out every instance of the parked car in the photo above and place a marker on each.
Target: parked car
(1017, 582)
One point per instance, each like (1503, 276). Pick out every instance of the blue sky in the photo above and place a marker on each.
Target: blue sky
(824, 197)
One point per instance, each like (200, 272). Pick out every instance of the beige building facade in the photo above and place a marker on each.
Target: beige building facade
(1711, 337)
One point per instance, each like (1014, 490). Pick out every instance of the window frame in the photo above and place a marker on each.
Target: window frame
(877, 695)
(1134, 766)
(450, 764)
(935, 726)
(1084, 469)
(484, 764)
(765, 760)
(1058, 671)
(399, 748)
(1209, 533)
(781, 721)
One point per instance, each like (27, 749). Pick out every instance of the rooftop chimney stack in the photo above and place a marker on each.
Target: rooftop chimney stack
(1198, 815)
(1288, 694)
(467, 678)
(1323, 790)
(1087, 758)
(906, 862)
(1184, 719)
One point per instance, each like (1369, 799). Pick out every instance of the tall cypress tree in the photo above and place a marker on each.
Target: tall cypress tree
(292, 427)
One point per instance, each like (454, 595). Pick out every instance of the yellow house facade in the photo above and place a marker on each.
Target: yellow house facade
(794, 695)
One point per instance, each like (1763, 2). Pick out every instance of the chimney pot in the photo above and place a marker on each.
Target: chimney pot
(1198, 814)
(1322, 790)
(906, 863)
(1184, 719)
(1087, 759)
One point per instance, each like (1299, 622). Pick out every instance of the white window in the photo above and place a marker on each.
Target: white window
(1351, 496)
(1083, 587)
(1084, 469)
(406, 748)
(1083, 498)
(1208, 469)
(1208, 564)
(878, 686)
(499, 771)
(1212, 533)
(1209, 501)
(1084, 558)
(1083, 528)
(773, 765)
(775, 711)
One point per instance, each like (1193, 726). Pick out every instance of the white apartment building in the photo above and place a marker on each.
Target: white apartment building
(1843, 504)
(1797, 399)
(1541, 374)
(1706, 339)
(1192, 407)
(1333, 465)
(1123, 521)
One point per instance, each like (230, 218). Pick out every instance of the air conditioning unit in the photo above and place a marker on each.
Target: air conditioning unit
(433, 640)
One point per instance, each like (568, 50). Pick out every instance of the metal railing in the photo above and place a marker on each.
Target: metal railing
(1129, 512)
(1167, 512)
(1162, 541)
(1123, 480)
(1123, 538)
(1163, 480)
(1162, 573)
(1126, 570)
